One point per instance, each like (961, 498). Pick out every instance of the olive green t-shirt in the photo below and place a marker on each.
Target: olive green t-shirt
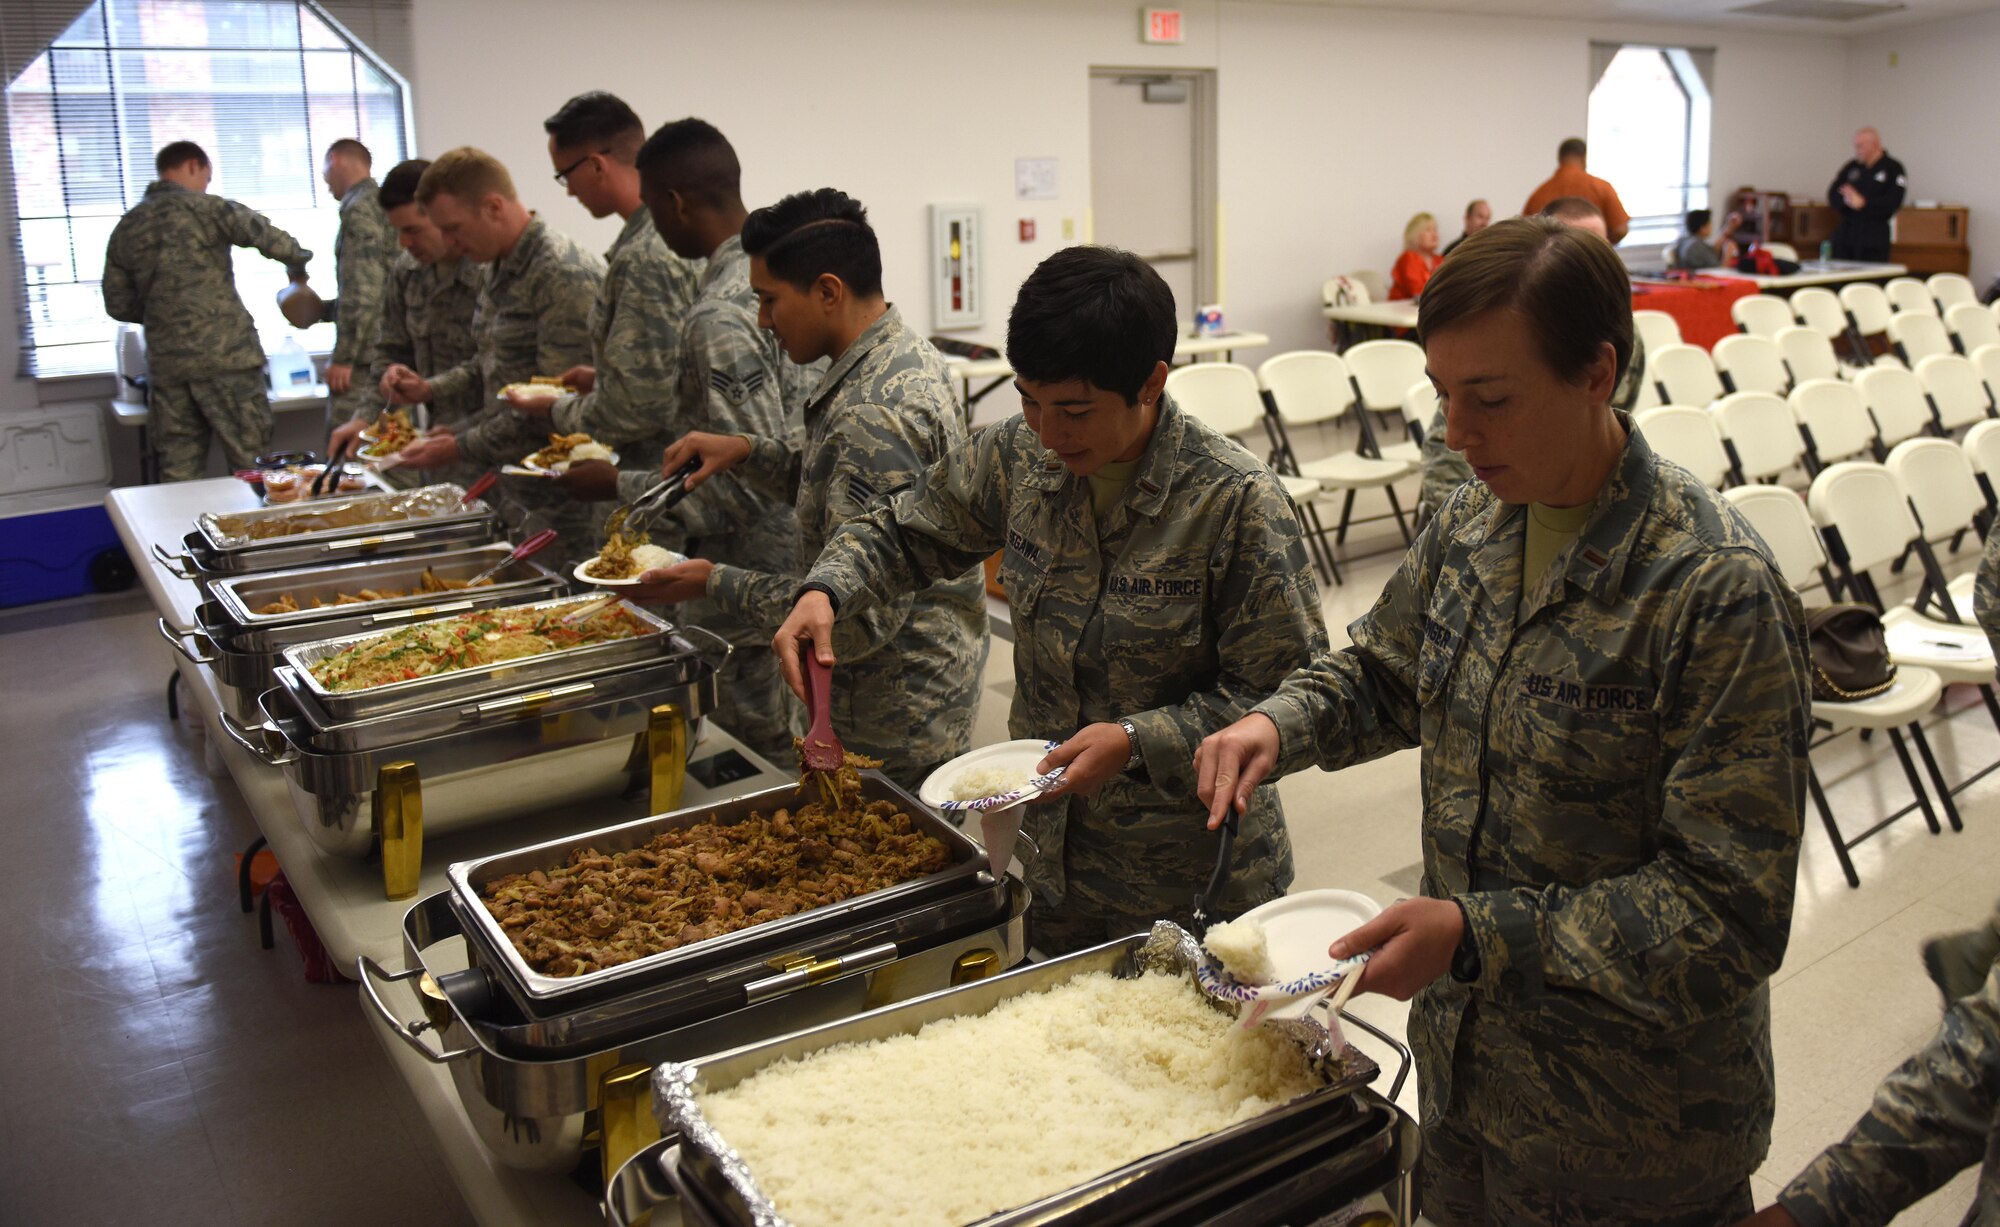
(1108, 484)
(1549, 530)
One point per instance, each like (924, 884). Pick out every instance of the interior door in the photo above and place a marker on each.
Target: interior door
(1149, 188)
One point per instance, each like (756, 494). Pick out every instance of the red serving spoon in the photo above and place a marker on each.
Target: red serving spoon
(822, 750)
(533, 545)
(480, 487)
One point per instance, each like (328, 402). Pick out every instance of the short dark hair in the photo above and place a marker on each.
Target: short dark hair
(1572, 148)
(1570, 208)
(1696, 219)
(692, 157)
(399, 186)
(180, 153)
(352, 148)
(809, 234)
(1097, 314)
(597, 121)
(1473, 204)
(1568, 284)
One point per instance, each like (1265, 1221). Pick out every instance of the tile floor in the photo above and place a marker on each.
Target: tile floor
(174, 1073)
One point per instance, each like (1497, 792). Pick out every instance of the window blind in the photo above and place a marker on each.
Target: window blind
(264, 86)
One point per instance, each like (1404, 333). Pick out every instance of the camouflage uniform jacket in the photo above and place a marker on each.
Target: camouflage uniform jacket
(732, 382)
(1613, 789)
(907, 689)
(1936, 1115)
(1986, 591)
(363, 250)
(169, 267)
(636, 343)
(427, 326)
(1189, 601)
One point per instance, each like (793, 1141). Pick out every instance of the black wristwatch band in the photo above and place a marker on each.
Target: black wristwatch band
(1465, 960)
(832, 597)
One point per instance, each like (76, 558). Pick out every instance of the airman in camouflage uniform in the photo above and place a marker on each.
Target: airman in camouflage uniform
(168, 266)
(907, 689)
(1936, 1115)
(427, 326)
(1614, 773)
(635, 342)
(533, 318)
(363, 252)
(1187, 602)
(734, 381)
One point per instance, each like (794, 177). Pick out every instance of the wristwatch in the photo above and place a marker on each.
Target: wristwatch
(1132, 763)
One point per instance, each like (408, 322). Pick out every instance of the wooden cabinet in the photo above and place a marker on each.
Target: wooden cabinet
(1925, 240)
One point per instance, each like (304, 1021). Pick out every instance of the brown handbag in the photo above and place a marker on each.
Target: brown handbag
(1850, 653)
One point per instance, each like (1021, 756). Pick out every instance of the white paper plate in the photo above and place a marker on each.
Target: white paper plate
(674, 560)
(1023, 756)
(542, 470)
(1297, 930)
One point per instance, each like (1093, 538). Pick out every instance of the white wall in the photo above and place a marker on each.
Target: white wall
(1934, 109)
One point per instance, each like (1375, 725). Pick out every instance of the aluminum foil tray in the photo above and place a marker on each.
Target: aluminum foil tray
(237, 598)
(227, 532)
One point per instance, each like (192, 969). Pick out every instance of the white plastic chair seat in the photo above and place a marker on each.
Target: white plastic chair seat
(1685, 373)
(1353, 471)
(1687, 437)
(1973, 325)
(1956, 653)
(1752, 363)
(1762, 315)
(1896, 401)
(1763, 431)
(1959, 593)
(1383, 372)
(1820, 311)
(1657, 329)
(1919, 335)
(1952, 289)
(1909, 294)
(1300, 490)
(1958, 393)
(1915, 691)
(1982, 447)
(1869, 307)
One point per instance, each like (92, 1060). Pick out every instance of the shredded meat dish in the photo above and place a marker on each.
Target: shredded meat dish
(600, 910)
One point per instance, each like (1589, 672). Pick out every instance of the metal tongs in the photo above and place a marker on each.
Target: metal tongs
(662, 495)
(1218, 880)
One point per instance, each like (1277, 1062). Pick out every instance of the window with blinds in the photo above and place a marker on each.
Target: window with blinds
(264, 86)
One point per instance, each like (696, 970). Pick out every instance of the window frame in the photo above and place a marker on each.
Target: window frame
(32, 363)
(1659, 228)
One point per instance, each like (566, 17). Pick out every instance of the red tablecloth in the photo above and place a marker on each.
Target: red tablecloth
(1700, 307)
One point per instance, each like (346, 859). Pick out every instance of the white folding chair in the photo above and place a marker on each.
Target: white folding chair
(1685, 373)
(1936, 477)
(1420, 405)
(1688, 437)
(1761, 314)
(1375, 283)
(1917, 335)
(1868, 311)
(1809, 355)
(1835, 422)
(1909, 294)
(1382, 371)
(1759, 434)
(1971, 325)
(1225, 397)
(1657, 329)
(1314, 388)
(1987, 359)
(1952, 289)
(1959, 397)
(1862, 509)
(1783, 251)
(1896, 401)
(1982, 448)
(1820, 311)
(1781, 519)
(1751, 364)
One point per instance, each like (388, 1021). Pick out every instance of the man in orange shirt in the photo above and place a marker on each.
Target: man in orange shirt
(1571, 179)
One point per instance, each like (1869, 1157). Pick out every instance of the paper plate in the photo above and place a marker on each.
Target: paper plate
(675, 560)
(1022, 756)
(1297, 930)
(541, 470)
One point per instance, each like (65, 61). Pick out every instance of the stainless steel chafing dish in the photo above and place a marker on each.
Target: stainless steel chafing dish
(437, 519)
(546, 1074)
(1339, 1153)
(244, 646)
(483, 745)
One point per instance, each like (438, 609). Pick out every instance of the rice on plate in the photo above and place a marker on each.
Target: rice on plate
(1076, 1081)
(982, 782)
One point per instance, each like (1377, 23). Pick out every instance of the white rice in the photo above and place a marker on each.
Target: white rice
(973, 1115)
(1243, 949)
(653, 557)
(589, 451)
(986, 782)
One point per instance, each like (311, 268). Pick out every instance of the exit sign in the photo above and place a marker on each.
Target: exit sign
(1160, 26)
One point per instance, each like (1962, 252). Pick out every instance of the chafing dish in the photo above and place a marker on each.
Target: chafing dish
(545, 1077)
(561, 665)
(235, 532)
(1338, 1147)
(460, 525)
(243, 646)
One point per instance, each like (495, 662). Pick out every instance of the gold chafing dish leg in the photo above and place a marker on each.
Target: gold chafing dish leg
(975, 965)
(625, 1119)
(399, 820)
(667, 755)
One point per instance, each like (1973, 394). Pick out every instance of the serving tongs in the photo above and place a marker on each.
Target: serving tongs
(658, 498)
(821, 753)
(479, 487)
(533, 545)
(333, 466)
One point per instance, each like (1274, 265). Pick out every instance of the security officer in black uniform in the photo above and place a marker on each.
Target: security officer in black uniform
(1866, 193)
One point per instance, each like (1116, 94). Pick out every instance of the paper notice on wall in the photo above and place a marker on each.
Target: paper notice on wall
(1037, 178)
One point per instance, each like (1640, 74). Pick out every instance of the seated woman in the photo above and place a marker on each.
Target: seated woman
(1607, 677)
(1158, 586)
(1419, 259)
(1695, 250)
